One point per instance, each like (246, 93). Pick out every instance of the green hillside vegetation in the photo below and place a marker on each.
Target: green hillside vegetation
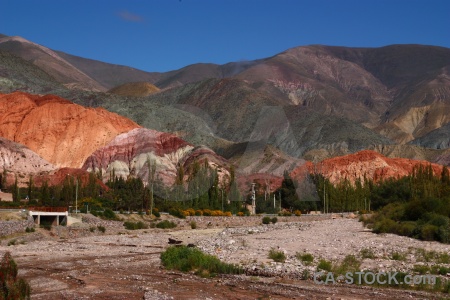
(417, 206)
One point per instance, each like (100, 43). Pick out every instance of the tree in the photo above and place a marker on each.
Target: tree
(234, 194)
(3, 177)
(151, 180)
(12, 287)
(16, 191)
(45, 194)
(30, 188)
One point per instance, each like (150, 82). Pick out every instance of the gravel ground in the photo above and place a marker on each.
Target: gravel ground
(121, 264)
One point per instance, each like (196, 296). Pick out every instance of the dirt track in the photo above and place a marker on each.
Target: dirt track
(127, 266)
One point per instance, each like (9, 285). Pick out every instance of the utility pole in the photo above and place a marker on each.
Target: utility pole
(151, 199)
(253, 199)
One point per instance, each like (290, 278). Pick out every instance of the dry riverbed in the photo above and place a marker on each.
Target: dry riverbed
(120, 264)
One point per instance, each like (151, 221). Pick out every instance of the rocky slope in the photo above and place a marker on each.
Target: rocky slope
(132, 153)
(60, 131)
(368, 164)
(16, 159)
(49, 61)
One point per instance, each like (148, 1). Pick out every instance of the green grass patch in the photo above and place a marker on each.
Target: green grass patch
(166, 224)
(277, 256)
(306, 258)
(398, 256)
(188, 259)
(325, 265)
(349, 264)
(134, 225)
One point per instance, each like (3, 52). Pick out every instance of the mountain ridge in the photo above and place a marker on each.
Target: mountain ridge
(395, 94)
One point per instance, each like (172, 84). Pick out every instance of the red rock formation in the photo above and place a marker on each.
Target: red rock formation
(58, 130)
(369, 164)
(128, 153)
(59, 176)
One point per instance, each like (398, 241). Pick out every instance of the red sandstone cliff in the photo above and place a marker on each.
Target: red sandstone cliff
(369, 164)
(58, 130)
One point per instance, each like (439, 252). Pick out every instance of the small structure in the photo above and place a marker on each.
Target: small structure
(49, 216)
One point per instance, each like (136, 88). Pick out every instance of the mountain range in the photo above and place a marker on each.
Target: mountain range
(306, 103)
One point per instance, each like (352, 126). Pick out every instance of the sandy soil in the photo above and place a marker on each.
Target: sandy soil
(123, 264)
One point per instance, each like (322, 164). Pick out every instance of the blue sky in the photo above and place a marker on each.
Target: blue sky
(163, 35)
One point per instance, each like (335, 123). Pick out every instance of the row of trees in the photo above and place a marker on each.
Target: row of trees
(204, 188)
(412, 196)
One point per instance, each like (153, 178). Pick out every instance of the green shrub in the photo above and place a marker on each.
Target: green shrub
(274, 220)
(102, 229)
(277, 256)
(429, 232)
(193, 224)
(444, 234)
(324, 265)
(109, 214)
(30, 229)
(92, 229)
(166, 224)
(12, 242)
(135, 225)
(285, 213)
(156, 213)
(305, 258)
(12, 287)
(188, 259)
(406, 228)
(349, 264)
(385, 226)
(177, 213)
(266, 220)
